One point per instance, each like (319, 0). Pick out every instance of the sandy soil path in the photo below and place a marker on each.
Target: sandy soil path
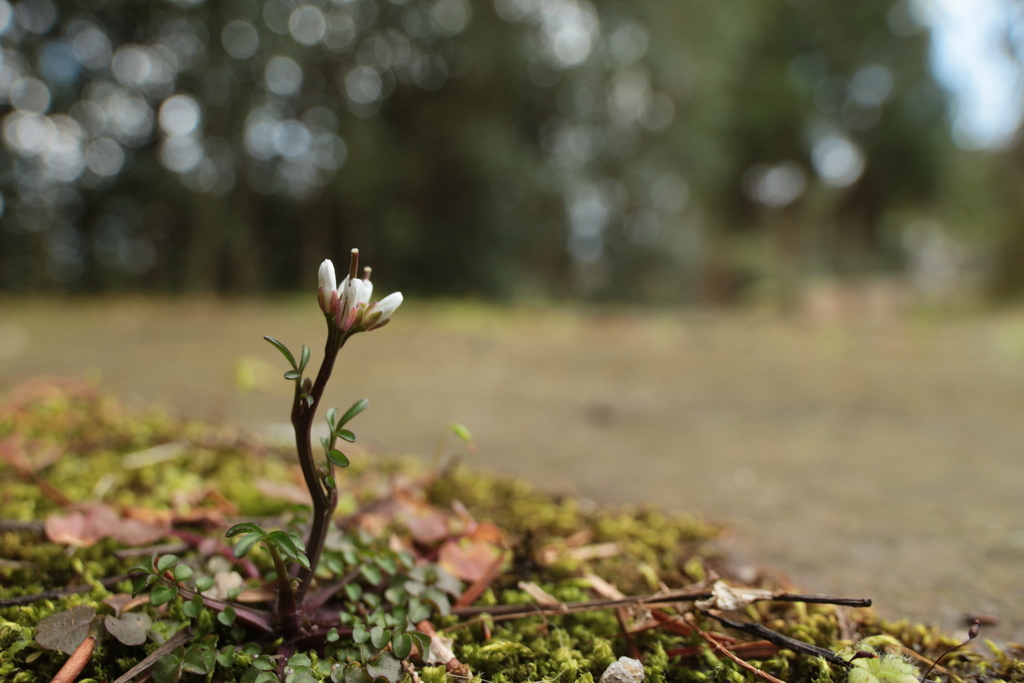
(881, 460)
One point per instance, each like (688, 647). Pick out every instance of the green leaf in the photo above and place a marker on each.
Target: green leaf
(246, 543)
(354, 673)
(461, 432)
(141, 583)
(308, 399)
(293, 375)
(226, 656)
(263, 663)
(204, 583)
(182, 572)
(401, 645)
(305, 358)
(227, 617)
(371, 573)
(332, 415)
(422, 641)
(337, 457)
(284, 542)
(284, 350)
(199, 660)
(244, 527)
(387, 564)
(330, 483)
(440, 600)
(346, 435)
(130, 628)
(165, 562)
(193, 607)
(385, 665)
(162, 594)
(360, 634)
(418, 611)
(379, 638)
(325, 442)
(168, 668)
(357, 407)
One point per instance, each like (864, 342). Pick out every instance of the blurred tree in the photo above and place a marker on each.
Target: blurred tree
(518, 148)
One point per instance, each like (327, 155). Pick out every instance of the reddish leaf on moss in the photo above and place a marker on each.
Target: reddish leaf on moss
(91, 522)
(467, 559)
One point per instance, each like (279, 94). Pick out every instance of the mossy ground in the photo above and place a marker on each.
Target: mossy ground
(76, 439)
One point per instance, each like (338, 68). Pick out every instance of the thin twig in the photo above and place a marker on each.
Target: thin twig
(76, 662)
(763, 675)
(54, 593)
(172, 644)
(782, 641)
(653, 599)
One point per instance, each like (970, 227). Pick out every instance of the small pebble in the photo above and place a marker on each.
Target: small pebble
(625, 670)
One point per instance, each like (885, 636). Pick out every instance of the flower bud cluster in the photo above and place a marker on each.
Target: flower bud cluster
(348, 304)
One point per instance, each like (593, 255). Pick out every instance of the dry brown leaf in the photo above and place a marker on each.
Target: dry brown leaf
(292, 493)
(426, 524)
(540, 596)
(603, 588)
(27, 456)
(81, 528)
(124, 602)
(466, 559)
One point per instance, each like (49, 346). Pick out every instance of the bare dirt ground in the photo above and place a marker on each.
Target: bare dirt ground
(870, 459)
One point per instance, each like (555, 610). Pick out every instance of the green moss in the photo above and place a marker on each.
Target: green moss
(87, 445)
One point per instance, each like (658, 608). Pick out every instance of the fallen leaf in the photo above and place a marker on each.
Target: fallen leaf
(284, 491)
(726, 597)
(603, 588)
(467, 559)
(65, 631)
(540, 596)
(124, 602)
(91, 522)
(426, 524)
(130, 629)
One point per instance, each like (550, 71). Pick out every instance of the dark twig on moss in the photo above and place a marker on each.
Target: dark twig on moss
(653, 599)
(763, 675)
(172, 644)
(55, 593)
(782, 641)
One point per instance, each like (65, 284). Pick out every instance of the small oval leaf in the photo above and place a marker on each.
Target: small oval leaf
(346, 435)
(162, 594)
(283, 349)
(401, 645)
(165, 562)
(246, 543)
(293, 375)
(244, 527)
(337, 457)
(357, 407)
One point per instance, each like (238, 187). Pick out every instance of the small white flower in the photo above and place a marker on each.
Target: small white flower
(379, 314)
(348, 302)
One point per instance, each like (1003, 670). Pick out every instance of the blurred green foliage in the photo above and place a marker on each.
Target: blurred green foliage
(512, 149)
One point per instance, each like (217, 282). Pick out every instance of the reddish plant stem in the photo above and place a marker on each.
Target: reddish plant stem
(324, 501)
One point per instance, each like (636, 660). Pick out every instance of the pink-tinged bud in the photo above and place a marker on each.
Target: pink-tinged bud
(350, 319)
(328, 285)
(335, 303)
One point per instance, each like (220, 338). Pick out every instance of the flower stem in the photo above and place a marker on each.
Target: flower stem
(324, 501)
(286, 606)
